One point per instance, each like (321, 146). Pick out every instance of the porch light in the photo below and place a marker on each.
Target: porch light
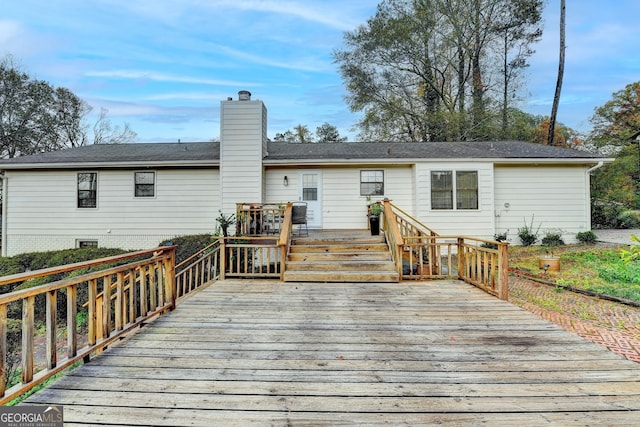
(285, 181)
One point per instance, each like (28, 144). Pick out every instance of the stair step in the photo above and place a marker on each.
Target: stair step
(340, 257)
(341, 276)
(340, 265)
(335, 256)
(356, 247)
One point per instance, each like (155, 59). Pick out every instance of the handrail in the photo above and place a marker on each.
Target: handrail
(284, 242)
(143, 289)
(395, 241)
(19, 277)
(421, 253)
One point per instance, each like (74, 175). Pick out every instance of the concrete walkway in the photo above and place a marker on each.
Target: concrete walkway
(622, 237)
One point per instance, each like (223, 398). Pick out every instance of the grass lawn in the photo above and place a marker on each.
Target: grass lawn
(588, 267)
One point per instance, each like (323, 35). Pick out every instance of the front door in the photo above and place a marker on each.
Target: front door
(310, 192)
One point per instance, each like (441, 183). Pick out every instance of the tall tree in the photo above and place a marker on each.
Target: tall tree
(36, 117)
(556, 97)
(105, 132)
(328, 133)
(616, 127)
(301, 134)
(518, 31)
(415, 62)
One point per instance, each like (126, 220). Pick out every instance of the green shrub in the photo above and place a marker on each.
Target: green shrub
(587, 237)
(633, 254)
(527, 234)
(552, 238)
(629, 219)
(605, 214)
(498, 237)
(189, 245)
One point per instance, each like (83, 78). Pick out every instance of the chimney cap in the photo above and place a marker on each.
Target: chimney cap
(244, 95)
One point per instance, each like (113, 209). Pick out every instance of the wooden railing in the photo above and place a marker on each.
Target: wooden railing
(241, 256)
(256, 219)
(421, 253)
(198, 270)
(115, 299)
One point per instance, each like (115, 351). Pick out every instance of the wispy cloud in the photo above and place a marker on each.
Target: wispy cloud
(325, 13)
(161, 77)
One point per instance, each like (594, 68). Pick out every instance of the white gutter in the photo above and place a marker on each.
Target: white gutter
(405, 161)
(598, 166)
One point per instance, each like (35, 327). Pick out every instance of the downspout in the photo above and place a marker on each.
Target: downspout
(588, 191)
(5, 196)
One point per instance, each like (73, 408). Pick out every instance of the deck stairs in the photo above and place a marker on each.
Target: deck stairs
(341, 256)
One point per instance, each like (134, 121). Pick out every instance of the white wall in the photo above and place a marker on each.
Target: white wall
(557, 198)
(343, 206)
(42, 213)
(474, 223)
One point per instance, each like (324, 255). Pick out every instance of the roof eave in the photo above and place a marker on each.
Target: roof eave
(112, 165)
(400, 161)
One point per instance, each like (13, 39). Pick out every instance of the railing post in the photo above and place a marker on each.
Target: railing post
(52, 354)
(223, 257)
(91, 311)
(3, 349)
(72, 322)
(461, 260)
(28, 319)
(503, 276)
(170, 278)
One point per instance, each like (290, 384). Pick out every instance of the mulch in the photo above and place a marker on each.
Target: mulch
(607, 323)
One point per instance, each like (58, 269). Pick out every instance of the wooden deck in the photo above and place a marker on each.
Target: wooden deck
(268, 353)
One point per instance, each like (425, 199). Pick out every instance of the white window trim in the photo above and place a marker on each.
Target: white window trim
(454, 189)
(155, 184)
(77, 189)
(383, 182)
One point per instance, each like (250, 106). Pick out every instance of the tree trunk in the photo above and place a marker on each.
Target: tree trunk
(556, 98)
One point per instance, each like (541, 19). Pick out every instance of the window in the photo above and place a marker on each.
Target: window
(87, 243)
(87, 190)
(145, 184)
(461, 186)
(309, 187)
(466, 190)
(372, 183)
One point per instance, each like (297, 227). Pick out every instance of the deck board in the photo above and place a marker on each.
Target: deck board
(268, 353)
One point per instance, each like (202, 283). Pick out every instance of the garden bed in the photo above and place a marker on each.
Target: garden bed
(597, 269)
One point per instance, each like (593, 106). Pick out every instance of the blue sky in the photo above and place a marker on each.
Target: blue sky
(163, 66)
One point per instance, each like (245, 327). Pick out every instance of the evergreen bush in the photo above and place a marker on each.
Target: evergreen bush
(587, 237)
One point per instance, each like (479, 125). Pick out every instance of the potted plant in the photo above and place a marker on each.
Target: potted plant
(374, 218)
(224, 221)
(550, 262)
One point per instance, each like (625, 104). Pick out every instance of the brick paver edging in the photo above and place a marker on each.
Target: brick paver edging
(609, 323)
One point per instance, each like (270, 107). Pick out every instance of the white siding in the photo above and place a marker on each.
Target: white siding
(476, 223)
(42, 213)
(556, 197)
(242, 139)
(342, 205)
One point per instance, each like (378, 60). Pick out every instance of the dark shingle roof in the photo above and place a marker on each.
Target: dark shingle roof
(125, 153)
(423, 150)
(208, 153)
